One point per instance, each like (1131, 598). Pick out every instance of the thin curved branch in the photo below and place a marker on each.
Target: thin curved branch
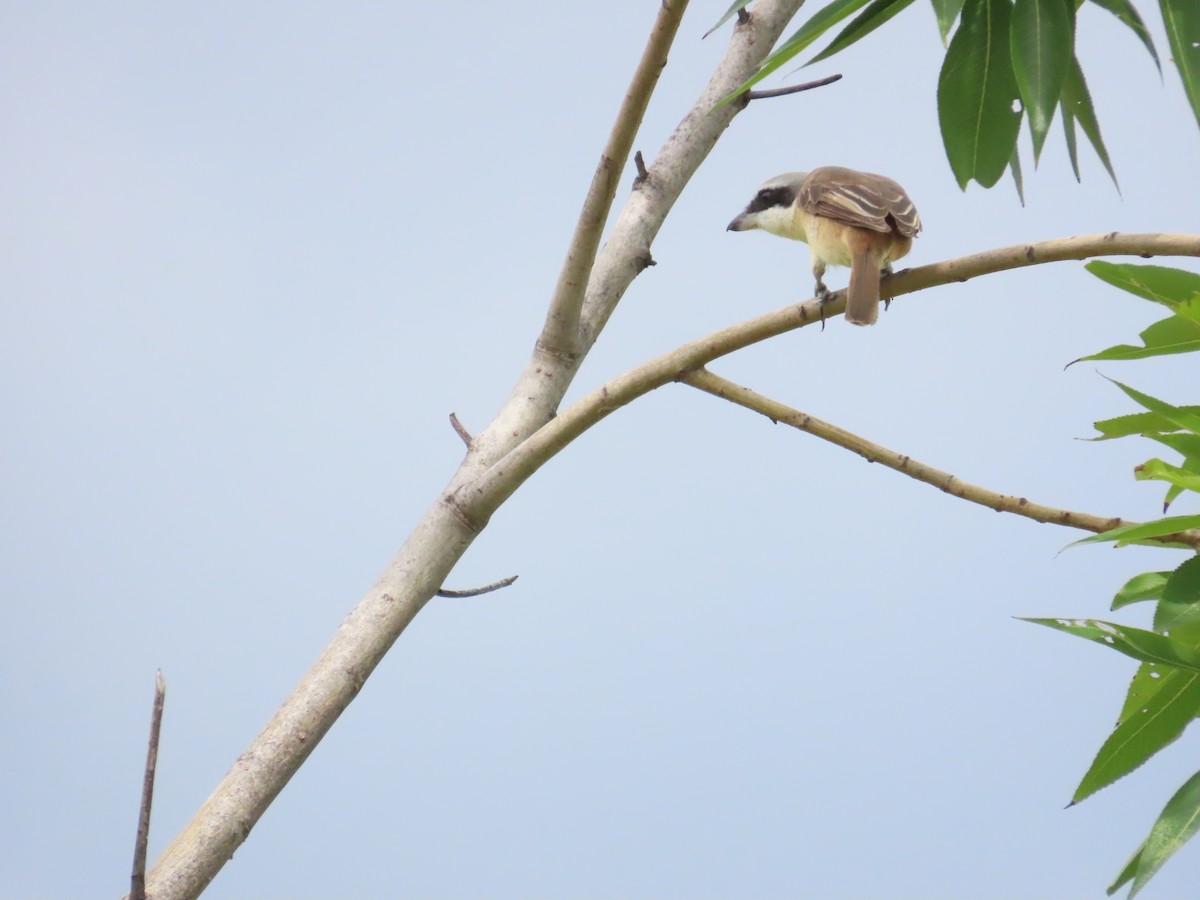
(710, 383)
(1057, 250)
(560, 334)
(476, 592)
(484, 495)
(790, 89)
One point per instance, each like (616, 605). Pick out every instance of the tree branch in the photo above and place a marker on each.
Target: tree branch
(462, 432)
(790, 89)
(626, 253)
(535, 397)
(449, 526)
(485, 494)
(138, 878)
(560, 334)
(706, 381)
(475, 592)
(1033, 254)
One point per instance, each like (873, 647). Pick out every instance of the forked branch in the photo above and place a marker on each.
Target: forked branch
(560, 334)
(484, 495)
(422, 564)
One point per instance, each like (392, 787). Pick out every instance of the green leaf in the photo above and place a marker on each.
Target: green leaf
(1068, 120)
(1142, 645)
(1145, 682)
(1077, 102)
(729, 13)
(1163, 707)
(1147, 586)
(1176, 824)
(1124, 11)
(1131, 534)
(864, 23)
(1042, 36)
(1014, 166)
(977, 93)
(1157, 470)
(1180, 416)
(1127, 873)
(1188, 445)
(1148, 424)
(1172, 287)
(1180, 605)
(1176, 289)
(822, 21)
(1181, 18)
(1173, 335)
(946, 11)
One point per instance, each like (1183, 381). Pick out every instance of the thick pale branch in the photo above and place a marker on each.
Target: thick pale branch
(484, 495)
(447, 529)
(535, 397)
(706, 381)
(560, 334)
(626, 253)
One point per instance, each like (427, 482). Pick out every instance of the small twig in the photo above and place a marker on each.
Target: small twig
(475, 592)
(137, 889)
(462, 432)
(642, 174)
(704, 380)
(791, 89)
(743, 16)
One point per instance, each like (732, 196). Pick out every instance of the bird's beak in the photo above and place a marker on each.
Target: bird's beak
(740, 224)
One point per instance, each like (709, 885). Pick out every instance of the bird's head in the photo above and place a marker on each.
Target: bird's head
(771, 207)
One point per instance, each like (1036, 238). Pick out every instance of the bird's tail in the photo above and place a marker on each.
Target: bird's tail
(862, 297)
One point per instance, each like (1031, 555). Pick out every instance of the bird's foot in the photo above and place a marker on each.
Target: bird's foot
(884, 272)
(823, 296)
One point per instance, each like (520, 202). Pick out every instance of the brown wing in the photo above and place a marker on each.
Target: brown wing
(859, 198)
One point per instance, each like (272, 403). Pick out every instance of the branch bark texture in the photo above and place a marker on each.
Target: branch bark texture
(560, 335)
(485, 493)
(710, 383)
(449, 526)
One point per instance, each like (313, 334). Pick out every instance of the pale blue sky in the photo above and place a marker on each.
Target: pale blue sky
(255, 254)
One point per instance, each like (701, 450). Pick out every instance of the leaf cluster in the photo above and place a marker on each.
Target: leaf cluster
(1164, 695)
(1007, 62)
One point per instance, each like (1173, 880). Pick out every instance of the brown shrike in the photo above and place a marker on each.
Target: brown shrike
(848, 218)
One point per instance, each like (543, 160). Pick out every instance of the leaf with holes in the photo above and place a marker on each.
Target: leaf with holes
(1042, 35)
(977, 93)
(1142, 645)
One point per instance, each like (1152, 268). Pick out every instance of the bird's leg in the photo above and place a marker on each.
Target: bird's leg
(884, 272)
(820, 291)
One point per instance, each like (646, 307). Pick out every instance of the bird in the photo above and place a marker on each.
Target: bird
(847, 218)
